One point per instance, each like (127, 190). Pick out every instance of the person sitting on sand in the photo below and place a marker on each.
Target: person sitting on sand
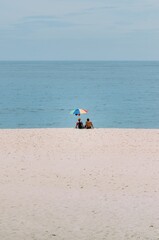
(79, 124)
(89, 124)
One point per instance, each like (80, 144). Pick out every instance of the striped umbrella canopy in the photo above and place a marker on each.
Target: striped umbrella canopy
(78, 111)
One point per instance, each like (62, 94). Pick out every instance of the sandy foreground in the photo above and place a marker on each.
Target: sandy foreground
(79, 184)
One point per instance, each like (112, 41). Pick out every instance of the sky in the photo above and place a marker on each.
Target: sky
(79, 30)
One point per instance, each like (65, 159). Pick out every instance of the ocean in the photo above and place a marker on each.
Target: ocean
(41, 94)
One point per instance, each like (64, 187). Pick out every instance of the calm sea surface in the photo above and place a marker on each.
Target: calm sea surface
(116, 94)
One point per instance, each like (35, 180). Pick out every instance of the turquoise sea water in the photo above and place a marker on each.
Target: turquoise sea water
(116, 94)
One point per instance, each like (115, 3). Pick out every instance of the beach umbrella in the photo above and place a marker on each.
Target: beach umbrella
(78, 111)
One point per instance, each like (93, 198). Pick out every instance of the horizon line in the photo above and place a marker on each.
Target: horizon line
(76, 60)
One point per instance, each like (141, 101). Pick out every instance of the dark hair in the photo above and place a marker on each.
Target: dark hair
(87, 119)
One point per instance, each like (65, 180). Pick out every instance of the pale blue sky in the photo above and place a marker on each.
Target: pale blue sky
(79, 30)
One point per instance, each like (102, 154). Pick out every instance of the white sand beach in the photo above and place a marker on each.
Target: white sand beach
(70, 184)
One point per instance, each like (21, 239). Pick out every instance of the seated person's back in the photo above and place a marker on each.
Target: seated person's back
(79, 124)
(88, 124)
